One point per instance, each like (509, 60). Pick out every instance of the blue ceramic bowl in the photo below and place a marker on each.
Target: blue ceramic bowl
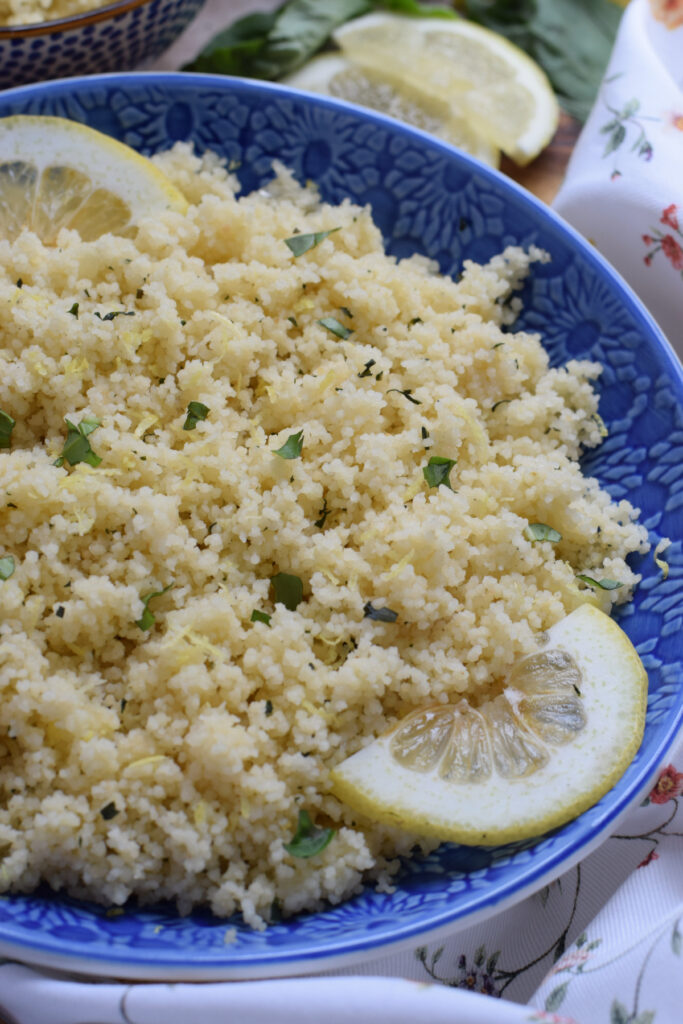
(114, 37)
(427, 198)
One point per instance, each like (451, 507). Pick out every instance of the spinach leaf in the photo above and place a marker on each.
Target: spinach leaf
(308, 838)
(77, 447)
(570, 39)
(287, 589)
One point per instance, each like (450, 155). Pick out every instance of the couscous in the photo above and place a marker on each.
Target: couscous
(265, 490)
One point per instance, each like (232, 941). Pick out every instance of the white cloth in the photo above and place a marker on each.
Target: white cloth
(604, 943)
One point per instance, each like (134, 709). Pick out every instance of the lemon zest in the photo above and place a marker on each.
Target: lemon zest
(147, 421)
(661, 563)
(399, 566)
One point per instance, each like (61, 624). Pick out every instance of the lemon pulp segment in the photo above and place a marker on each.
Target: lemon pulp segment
(502, 93)
(561, 733)
(56, 173)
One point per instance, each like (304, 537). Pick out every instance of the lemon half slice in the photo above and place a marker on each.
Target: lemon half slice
(56, 173)
(335, 76)
(492, 83)
(561, 734)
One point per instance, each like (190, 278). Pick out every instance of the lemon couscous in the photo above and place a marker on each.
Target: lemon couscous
(32, 12)
(265, 490)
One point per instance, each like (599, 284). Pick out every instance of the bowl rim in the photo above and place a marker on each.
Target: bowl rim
(344, 952)
(72, 21)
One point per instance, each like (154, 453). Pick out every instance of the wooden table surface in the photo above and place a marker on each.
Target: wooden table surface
(543, 176)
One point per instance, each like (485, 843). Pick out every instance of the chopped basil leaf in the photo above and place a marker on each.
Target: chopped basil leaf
(268, 708)
(59, 611)
(139, 294)
(147, 620)
(114, 314)
(299, 244)
(292, 447)
(333, 325)
(6, 567)
(308, 839)
(424, 432)
(541, 531)
(407, 394)
(379, 375)
(415, 320)
(292, 320)
(77, 447)
(288, 590)
(368, 366)
(379, 614)
(109, 811)
(74, 310)
(196, 411)
(497, 345)
(438, 471)
(346, 312)
(20, 283)
(324, 512)
(257, 616)
(7, 425)
(603, 584)
(503, 401)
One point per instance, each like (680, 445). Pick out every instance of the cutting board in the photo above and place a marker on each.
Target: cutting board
(543, 176)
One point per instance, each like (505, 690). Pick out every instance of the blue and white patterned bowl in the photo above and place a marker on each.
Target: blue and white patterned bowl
(427, 198)
(114, 37)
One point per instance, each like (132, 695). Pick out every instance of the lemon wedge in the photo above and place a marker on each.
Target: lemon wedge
(491, 83)
(562, 732)
(333, 75)
(56, 173)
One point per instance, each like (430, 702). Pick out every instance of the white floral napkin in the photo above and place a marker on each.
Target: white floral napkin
(604, 943)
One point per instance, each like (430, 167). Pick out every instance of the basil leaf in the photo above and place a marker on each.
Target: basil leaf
(7, 567)
(288, 590)
(541, 531)
(268, 710)
(308, 839)
(603, 584)
(379, 614)
(333, 325)
(196, 411)
(147, 620)
(74, 310)
(257, 616)
(503, 401)
(7, 425)
(113, 314)
(292, 447)
(570, 39)
(407, 394)
(109, 811)
(438, 470)
(323, 512)
(77, 447)
(299, 244)
(368, 368)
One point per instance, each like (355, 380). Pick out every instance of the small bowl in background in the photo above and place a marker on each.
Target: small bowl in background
(114, 37)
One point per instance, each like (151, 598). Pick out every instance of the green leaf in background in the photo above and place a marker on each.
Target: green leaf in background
(570, 39)
(273, 44)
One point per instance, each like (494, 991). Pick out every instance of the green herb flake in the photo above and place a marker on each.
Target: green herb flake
(332, 324)
(292, 447)
(406, 394)
(147, 619)
(7, 425)
(77, 447)
(503, 401)
(257, 616)
(74, 310)
(196, 411)
(268, 710)
(113, 314)
(368, 367)
(308, 840)
(541, 531)
(20, 283)
(415, 320)
(438, 470)
(346, 312)
(603, 584)
(292, 320)
(7, 567)
(109, 811)
(288, 590)
(424, 433)
(299, 244)
(59, 611)
(379, 614)
(323, 512)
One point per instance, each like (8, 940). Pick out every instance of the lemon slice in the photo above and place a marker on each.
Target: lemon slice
(56, 173)
(561, 733)
(494, 85)
(335, 76)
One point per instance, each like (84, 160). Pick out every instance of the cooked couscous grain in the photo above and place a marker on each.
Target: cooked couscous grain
(291, 503)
